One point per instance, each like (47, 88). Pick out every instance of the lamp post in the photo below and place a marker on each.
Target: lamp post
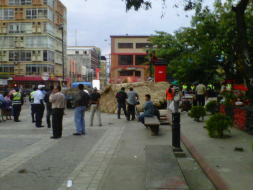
(150, 58)
(63, 70)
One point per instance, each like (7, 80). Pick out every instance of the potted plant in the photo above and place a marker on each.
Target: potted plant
(217, 124)
(197, 112)
(211, 107)
(230, 97)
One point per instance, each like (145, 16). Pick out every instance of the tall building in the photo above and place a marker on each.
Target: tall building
(88, 57)
(128, 57)
(31, 41)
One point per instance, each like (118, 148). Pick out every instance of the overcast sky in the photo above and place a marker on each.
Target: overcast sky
(96, 20)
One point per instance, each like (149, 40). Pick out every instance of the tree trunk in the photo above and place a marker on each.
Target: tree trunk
(245, 54)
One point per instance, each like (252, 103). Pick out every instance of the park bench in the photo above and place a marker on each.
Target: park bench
(162, 169)
(153, 123)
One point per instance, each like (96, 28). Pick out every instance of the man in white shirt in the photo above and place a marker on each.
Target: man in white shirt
(201, 93)
(39, 105)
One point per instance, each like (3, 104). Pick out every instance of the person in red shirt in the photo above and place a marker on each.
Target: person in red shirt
(169, 96)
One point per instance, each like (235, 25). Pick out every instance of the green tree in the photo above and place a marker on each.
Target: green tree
(243, 46)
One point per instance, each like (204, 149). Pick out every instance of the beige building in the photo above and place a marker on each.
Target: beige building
(31, 41)
(128, 57)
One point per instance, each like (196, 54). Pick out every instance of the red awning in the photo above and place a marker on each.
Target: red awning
(36, 78)
(241, 87)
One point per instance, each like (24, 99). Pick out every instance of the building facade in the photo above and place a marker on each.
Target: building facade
(31, 42)
(128, 58)
(88, 59)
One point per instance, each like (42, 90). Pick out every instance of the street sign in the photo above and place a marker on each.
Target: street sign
(3, 82)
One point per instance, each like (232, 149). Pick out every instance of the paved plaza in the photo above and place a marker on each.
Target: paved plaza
(106, 158)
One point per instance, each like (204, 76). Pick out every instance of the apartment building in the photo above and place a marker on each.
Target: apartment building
(31, 41)
(127, 58)
(88, 57)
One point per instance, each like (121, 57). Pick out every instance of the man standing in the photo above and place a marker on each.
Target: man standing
(39, 105)
(31, 99)
(148, 109)
(200, 93)
(95, 106)
(17, 102)
(58, 101)
(80, 104)
(49, 106)
(132, 97)
(121, 99)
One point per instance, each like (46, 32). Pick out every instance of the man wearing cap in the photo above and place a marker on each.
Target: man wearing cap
(95, 106)
(132, 96)
(31, 99)
(39, 105)
(17, 102)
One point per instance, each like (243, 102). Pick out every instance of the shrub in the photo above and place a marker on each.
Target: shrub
(211, 106)
(197, 112)
(218, 124)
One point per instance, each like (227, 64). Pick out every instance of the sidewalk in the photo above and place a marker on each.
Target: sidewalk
(234, 167)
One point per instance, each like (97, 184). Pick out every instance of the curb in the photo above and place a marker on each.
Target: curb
(211, 173)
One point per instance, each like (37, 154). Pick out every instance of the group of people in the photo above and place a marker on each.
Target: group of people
(200, 91)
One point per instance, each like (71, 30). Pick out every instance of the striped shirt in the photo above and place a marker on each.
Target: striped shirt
(176, 91)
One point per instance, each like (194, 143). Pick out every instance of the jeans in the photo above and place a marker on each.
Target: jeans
(201, 100)
(93, 110)
(49, 113)
(57, 121)
(79, 119)
(123, 106)
(130, 111)
(142, 118)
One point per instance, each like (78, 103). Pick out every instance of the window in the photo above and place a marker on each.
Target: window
(13, 55)
(49, 2)
(142, 45)
(7, 68)
(140, 59)
(25, 55)
(76, 52)
(41, 13)
(125, 45)
(125, 60)
(6, 14)
(126, 73)
(85, 52)
(48, 56)
(20, 28)
(48, 28)
(7, 42)
(40, 41)
(20, 2)
(137, 73)
(32, 69)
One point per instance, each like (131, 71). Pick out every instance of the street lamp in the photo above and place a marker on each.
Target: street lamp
(63, 70)
(150, 58)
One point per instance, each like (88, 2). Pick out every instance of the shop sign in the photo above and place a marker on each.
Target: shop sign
(3, 82)
(45, 76)
(130, 68)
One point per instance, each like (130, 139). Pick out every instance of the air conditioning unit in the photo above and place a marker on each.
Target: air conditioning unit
(15, 62)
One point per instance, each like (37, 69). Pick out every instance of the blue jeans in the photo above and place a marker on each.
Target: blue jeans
(122, 105)
(142, 118)
(79, 119)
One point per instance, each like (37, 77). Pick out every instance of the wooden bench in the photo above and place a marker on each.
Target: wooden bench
(153, 123)
(162, 169)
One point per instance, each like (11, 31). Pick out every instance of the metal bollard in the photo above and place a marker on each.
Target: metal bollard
(176, 132)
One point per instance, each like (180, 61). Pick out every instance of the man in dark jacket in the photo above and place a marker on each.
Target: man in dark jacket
(48, 106)
(121, 98)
